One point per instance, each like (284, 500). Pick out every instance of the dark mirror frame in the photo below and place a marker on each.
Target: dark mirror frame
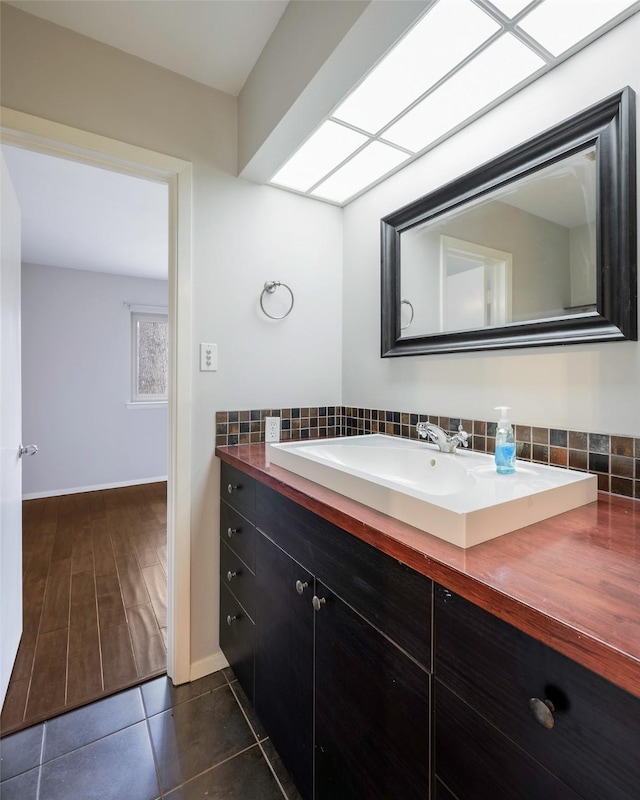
(610, 126)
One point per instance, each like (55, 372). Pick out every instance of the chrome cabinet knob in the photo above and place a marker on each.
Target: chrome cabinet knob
(542, 712)
(231, 618)
(231, 575)
(301, 586)
(445, 594)
(318, 602)
(231, 488)
(27, 450)
(231, 532)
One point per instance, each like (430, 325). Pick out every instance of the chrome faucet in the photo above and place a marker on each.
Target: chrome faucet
(446, 443)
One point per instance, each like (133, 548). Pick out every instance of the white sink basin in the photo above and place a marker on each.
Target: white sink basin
(457, 497)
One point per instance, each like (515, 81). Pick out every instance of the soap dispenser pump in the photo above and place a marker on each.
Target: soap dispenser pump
(505, 455)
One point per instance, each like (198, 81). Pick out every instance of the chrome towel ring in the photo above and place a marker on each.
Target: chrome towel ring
(269, 288)
(404, 327)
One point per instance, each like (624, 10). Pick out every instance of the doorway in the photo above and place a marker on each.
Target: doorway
(45, 136)
(475, 285)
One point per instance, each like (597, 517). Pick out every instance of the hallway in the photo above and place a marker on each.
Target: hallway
(95, 599)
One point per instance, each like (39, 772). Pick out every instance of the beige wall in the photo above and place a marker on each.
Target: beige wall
(243, 235)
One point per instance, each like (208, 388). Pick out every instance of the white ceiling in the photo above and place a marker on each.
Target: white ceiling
(84, 217)
(215, 42)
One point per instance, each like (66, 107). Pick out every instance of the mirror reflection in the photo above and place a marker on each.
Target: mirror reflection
(522, 253)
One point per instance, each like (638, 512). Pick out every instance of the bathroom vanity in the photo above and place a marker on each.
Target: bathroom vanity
(385, 663)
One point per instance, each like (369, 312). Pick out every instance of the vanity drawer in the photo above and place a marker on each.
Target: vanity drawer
(238, 533)
(392, 597)
(477, 762)
(238, 640)
(238, 578)
(239, 490)
(594, 743)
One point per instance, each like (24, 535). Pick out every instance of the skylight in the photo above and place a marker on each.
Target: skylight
(376, 160)
(424, 56)
(557, 26)
(459, 60)
(482, 80)
(323, 151)
(511, 8)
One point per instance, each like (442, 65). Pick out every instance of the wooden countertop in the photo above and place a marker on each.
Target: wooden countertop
(572, 581)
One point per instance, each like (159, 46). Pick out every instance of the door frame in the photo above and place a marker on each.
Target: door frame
(36, 133)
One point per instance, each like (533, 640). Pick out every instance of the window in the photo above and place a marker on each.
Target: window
(149, 356)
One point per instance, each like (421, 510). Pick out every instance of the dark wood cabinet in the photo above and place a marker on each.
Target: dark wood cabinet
(477, 762)
(239, 490)
(496, 692)
(284, 659)
(237, 640)
(237, 577)
(394, 598)
(441, 792)
(324, 673)
(372, 710)
(343, 686)
(238, 533)
(374, 684)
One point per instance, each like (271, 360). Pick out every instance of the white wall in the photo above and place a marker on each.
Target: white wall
(592, 387)
(76, 382)
(243, 235)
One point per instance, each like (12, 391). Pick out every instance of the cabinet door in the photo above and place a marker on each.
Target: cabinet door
(372, 711)
(284, 658)
(394, 598)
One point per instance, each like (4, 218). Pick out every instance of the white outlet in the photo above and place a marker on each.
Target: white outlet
(208, 357)
(272, 429)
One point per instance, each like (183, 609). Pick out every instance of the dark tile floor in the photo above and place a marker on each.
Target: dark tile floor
(199, 740)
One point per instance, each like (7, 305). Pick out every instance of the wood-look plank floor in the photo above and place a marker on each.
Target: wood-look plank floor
(95, 600)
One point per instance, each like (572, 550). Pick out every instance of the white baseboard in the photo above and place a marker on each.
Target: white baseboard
(208, 665)
(78, 490)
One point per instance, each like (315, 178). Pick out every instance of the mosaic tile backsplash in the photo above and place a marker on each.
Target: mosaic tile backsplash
(615, 459)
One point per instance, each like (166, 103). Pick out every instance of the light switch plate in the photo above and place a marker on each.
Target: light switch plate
(208, 357)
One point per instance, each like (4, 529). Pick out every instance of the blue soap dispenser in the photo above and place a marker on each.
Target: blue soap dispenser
(505, 444)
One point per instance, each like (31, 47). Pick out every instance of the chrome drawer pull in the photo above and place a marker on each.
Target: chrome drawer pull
(231, 618)
(231, 575)
(318, 602)
(231, 488)
(300, 586)
(542, 712)
(232, 532)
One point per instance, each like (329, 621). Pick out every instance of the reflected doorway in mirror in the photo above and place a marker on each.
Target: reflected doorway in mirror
(475, 285)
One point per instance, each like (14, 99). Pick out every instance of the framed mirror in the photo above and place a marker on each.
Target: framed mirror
(537, 247)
